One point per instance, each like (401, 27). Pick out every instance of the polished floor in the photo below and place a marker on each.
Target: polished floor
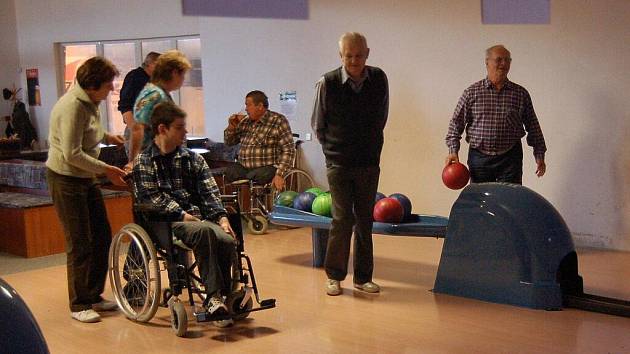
(405, 318)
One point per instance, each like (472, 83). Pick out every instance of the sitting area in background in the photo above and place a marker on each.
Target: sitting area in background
(29, 223)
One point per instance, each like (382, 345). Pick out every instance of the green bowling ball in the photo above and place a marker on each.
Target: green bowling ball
(322, 205)
(315, 190)
(286, 198)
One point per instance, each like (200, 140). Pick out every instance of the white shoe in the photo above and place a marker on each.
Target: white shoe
(105, 305)
(223, 323)
(86, 316)
(217, 307)
(368, 287)
(333, 287)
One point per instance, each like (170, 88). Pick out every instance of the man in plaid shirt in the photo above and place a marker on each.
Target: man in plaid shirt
(179, 180)
(496, 114)
(267, 148)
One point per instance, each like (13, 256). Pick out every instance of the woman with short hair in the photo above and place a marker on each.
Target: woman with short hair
(74, 137)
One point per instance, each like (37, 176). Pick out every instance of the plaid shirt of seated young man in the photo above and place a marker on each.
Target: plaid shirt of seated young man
(178, 182)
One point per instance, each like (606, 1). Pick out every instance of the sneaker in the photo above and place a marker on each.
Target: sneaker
(369, 287)
(86, 316)
(216, 306)
(333, 287)
(105, 305)
(223, 323)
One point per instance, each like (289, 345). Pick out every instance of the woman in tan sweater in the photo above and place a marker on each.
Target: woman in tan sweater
(74, 136)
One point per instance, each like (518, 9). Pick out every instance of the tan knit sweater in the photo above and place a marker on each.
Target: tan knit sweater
(74, 136)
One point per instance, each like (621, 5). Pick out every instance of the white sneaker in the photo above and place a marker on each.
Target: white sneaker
(333, 287)
(223, 323)
(86, 316)
(216, 306)
(105, 305)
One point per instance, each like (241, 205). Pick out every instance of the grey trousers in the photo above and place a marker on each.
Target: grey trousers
(353, 190)
(260, 175)
(215, 252)
(81, 210)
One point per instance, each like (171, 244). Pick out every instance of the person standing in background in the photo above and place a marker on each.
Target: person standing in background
(349, 115)
(134, 82)
(496, 113)
(169, 74)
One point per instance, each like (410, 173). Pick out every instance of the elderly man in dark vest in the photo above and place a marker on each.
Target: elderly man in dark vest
(349, 116)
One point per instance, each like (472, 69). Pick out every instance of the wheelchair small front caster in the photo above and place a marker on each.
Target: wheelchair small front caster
(179, 318)
(257, 224)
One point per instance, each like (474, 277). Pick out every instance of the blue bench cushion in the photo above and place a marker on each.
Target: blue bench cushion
(23, 173)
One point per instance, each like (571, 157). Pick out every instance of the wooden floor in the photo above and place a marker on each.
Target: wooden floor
(405, 318)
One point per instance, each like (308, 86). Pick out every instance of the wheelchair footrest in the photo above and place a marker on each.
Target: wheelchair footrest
(205, 316)
(268, 303)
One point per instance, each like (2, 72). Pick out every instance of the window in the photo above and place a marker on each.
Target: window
(123, 55)
(191, 93)
(75, 55)
(128, 55)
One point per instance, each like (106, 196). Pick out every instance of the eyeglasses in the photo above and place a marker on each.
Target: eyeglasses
(501, 60)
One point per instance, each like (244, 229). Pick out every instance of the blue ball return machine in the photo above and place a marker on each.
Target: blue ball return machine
(507, 244)
(504, 243)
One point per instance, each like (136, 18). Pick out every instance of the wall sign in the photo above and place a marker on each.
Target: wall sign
(283, 9)
(499, 12)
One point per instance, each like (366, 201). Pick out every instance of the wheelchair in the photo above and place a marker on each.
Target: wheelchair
(258, 198)
(140, 250)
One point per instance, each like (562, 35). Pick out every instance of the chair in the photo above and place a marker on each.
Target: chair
(257, 199)
(140, 250)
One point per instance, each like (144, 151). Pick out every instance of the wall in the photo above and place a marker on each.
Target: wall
(76, 21)
(9, 55)
(575, 69)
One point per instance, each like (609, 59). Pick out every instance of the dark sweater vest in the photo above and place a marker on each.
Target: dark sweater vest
(353, 135)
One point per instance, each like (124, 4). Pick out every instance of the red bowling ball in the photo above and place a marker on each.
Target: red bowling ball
(388, 210)
(455, 175)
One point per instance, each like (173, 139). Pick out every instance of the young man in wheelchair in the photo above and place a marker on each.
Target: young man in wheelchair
(179, 181)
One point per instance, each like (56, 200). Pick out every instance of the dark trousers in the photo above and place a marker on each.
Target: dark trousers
(507, 167)
(260, 175)
(81, 210)
(353, 190)
(215, 252)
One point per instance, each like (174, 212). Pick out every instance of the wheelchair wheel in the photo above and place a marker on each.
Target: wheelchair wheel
(179, 317)
(298, 181)
(257, 224)
(134, 273)
(233, 304)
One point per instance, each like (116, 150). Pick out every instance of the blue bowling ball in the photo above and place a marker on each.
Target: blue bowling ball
(304, 201)
(405, 202)
(379, 196)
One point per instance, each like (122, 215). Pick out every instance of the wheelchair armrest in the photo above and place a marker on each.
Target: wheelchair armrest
(229, 197)
(153, 213)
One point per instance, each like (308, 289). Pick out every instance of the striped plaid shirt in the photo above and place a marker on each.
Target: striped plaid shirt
(268, 141)
(494, 120)
(177, 182)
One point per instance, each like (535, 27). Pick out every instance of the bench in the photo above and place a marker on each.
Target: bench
(29, 226)
(419, 225)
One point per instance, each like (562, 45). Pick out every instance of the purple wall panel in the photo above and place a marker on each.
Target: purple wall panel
(515, 11)
(283, 9)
